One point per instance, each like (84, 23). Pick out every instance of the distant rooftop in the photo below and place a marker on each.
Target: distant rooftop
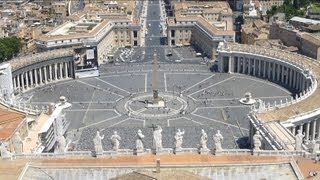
(305, 20)
(9, 121)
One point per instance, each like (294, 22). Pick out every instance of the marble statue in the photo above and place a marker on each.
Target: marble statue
(61, 146)
(218, 138)
(17, 143)
(179, 139)
(157, 139)
(98, 143)
(115, 141)
(4, 151)
(257, 141)
(139, 143)
(299, 140)
(203, 140)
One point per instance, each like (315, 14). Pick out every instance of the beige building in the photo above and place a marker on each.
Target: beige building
(307, 43)
(203, 24)
(254, 31)
(102, 28)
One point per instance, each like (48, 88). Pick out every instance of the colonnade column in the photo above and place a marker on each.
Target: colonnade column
(31, 77)
(61, 76)
(313, 134)
(35, 72)
(293, 130)
(18, 81)
(282, 74)
(55, 72)
(238, 70)
(65, 69)
(27, 80)
(50, 72)
(287, 76)
(318, 129)
(45, 74)
(22, 81)
(307, 130)
(40, 76)
(274, 71)
(14, 83)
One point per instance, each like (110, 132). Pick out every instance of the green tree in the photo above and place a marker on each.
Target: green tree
(9, 47)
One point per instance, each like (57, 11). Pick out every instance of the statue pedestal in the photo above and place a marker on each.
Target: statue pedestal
(139, 152)
(256, 152)
(178, 151)
(204, 151)
(217, 152)
(159, 104)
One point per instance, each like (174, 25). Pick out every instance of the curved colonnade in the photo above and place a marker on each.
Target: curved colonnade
(42, 68)
(294, 72)
(36, 70)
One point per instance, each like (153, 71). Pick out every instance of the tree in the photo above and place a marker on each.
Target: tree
(9, 47)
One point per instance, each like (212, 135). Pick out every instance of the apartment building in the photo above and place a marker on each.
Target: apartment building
(203, 24)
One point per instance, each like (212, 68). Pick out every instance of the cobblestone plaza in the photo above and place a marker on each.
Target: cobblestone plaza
(196, 98)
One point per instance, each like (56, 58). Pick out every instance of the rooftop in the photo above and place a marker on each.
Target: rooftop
(9, 121)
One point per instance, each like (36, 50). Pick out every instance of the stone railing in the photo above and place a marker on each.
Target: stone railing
(264, 107)
(129, 152)
(20, 62)
(22, 107)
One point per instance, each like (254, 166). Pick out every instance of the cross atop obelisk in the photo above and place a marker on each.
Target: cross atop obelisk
(155, 67)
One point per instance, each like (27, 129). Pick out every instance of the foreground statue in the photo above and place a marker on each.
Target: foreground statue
(139, 143)
(218, 138)
(203, 141)
(299, 140)
(61, 146)
(98, 143)
(4, 153)
(157, 139)
(17, 143)
(179, 139)
(257, 141)
(115, 141)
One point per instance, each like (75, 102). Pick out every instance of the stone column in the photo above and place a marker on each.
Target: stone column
(31, 78)
(307, 131)
(22, 81)
(35, 73)
(274, 72)
(282, 74)
(40, 76)
(250, 66)
(238, 70)
(27, 79)
(61, 76)
(303, 84)
(293, 130)
(269, 71)
(65, 69)
(264, 69)
(287, 76)
(14, 83)
(278, 72)
(291, 78)
(313, 133)
(254, 67)
(50, 72)
(45, 74)
(55, 72)
(294, 80)
(297, 81)
(318, 129)
(18, 81)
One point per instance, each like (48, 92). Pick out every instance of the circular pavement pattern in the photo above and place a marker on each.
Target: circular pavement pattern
(195, 98)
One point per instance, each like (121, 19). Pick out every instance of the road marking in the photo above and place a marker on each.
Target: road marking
(165, 82)
(215, 107)
(112, 85)
(119, 122)
(76, 110)
(214, 120)
(212, 85)
(85, 114)
(145, 82)
(100, 88)
(105, 120)
(198, 83)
